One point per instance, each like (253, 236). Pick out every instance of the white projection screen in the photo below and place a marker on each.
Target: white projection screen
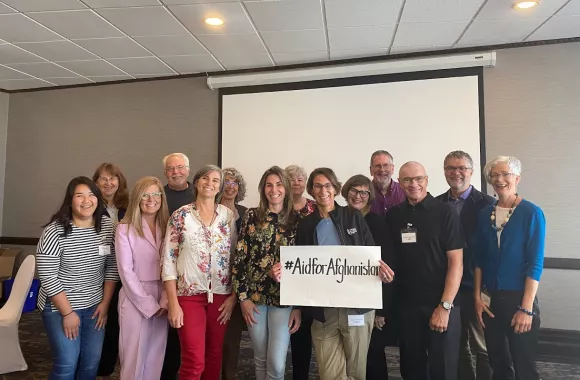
(340, 123)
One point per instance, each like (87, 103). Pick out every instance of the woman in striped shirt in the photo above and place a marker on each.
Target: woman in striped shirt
(77, 270)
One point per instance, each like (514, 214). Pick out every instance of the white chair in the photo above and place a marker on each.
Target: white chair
(11, 359)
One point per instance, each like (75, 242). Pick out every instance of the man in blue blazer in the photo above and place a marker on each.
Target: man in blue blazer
(467, 201)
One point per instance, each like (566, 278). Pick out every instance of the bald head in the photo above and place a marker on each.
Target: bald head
(413, 178)
(412, 169)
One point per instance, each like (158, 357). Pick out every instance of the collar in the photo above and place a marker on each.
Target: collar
(379, 190)
(463, 195)
(426, 203)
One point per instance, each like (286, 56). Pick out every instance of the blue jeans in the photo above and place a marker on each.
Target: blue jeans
(76, 359)
(270, 338)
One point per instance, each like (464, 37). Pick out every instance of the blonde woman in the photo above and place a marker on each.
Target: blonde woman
(142, 300)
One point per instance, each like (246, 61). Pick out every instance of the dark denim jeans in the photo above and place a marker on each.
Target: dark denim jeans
(76, 359)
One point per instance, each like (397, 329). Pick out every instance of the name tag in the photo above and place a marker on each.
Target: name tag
(356, 320)
(104, 250)
(485, 299)
(409, 235)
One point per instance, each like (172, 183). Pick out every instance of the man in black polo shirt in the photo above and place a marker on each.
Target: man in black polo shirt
(467, 202)
(429, 254)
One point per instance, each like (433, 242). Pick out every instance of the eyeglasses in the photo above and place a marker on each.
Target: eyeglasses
(106, 179)
(231, 183)
(318, 187)
(461, 169)
(364, 194)
(381, 166)
(176, 168)
(409, 180)
(156, 194)
(495, 176)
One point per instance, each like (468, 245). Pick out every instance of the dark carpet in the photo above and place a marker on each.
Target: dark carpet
(37, 354)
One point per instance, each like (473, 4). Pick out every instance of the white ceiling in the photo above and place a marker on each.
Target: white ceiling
(45, 43)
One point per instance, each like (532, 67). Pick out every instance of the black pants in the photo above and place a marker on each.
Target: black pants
(512, 356)
(172, 359)
(110, 351)
(376, 359)
(473, 358)
(301, 343)
(427, 354)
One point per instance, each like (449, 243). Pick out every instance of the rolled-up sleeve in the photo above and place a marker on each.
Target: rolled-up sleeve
(48, 255)
(171, 246)
(535, 245)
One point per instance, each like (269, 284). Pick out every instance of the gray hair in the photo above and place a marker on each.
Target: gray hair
(380, 153)
(237, 176)
(459, 154)
(180, 155)
(203, 171)
(513, 162)
(295, 171)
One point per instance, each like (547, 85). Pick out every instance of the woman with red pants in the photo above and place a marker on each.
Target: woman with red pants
(196, 275)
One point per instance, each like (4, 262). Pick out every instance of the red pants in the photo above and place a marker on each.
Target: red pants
(201, 337)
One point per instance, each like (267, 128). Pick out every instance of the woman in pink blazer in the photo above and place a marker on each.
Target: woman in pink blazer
(142, 301)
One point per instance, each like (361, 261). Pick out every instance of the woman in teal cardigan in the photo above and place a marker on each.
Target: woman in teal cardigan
(509, 258)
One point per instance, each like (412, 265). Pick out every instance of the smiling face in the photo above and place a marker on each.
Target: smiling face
(84, 203)
(382, 169)
(108, 184)
(176, 172)
(231, 188)
(323, 191)
(208, 185)
(503, 180)
(458, 173)
(274, 191)
(150, 200)
(414, 180)
(358, 197)
(298, 185)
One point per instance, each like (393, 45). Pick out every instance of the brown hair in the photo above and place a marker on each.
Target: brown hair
(287, 215)
(358, 180)
(328, 173)
(121, 197)
(133, 214)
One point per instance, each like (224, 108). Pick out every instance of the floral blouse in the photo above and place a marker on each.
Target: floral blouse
(308, 208)
(197, 256)
(257, 251)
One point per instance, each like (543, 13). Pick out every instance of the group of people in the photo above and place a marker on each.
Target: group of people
(166, 277)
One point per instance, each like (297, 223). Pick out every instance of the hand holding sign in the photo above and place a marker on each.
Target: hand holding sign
(276, 272)
(386, 273)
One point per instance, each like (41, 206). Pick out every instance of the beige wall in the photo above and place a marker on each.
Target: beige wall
(4, 106)
(59, 134)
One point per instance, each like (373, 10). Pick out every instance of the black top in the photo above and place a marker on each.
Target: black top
(422, 266)
(241, 211)
(178, 198)
(475, 202)
(379, 228)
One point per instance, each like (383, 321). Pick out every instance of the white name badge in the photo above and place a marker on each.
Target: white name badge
(485, 299)
(356, 320)
(104, 250)
(409, 237)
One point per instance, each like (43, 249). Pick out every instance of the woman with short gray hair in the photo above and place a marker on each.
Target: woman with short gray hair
(196, 275)
(509, 258)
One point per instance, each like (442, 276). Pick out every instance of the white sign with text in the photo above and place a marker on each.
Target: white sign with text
(331, 276)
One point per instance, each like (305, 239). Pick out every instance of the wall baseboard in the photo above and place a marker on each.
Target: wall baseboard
(559, 346)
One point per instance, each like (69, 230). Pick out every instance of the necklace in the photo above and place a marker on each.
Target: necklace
(507, 218)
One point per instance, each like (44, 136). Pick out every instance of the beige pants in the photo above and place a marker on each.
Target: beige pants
(341, 351)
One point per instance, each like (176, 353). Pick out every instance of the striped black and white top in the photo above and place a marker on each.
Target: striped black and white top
(75, 264)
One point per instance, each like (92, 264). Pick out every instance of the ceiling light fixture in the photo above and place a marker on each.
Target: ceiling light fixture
(214, 21)
(525, 4)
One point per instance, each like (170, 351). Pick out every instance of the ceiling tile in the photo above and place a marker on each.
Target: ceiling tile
(300, 57)
(122, 47)
(429, 33)
(7, 73)
(147, 65)
(5, 9)
(286, 15)
(367, 37)
(571, 9)
(189, 64)
(238, 62)
(344, 13)
(298, 40)
(193, 16)
(68, 81)
(558, 27)
(233, 45)
(414, 49)
(119, 3)
(497, 32)
(502, 10)
(58, 51)
(356, 53)
(92, 68)
(22, 84)
(110, 78)
(13, 54)
(77, 24)
(176, 2)
(172, 45)
(440, 11)
(146, 21)
(141, 76)
(44, 5)
(42, 70)
(19, 28)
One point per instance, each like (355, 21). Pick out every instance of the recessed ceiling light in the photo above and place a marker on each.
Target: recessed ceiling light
(525, 4)
(214, 21)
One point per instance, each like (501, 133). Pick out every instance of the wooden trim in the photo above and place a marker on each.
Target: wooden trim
(319, 64)
(561, 263)
(18, 240)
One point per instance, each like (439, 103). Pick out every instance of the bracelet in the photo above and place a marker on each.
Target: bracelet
(72, 311)
(528, 312)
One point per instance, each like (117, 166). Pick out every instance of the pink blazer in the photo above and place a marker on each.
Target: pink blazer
(138, 260)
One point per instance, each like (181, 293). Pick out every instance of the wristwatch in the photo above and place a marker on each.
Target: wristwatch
(243, 296)
(447, 305)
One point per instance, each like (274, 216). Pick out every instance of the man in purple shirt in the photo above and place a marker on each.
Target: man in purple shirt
(388, 193)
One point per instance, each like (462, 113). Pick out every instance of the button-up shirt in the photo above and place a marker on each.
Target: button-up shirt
(457, 203)
(383, 202)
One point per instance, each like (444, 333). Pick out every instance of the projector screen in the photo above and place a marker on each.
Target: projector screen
(340, 123)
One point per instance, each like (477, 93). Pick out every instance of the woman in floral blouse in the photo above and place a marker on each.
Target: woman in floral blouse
(256, 274)
(196, 275)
